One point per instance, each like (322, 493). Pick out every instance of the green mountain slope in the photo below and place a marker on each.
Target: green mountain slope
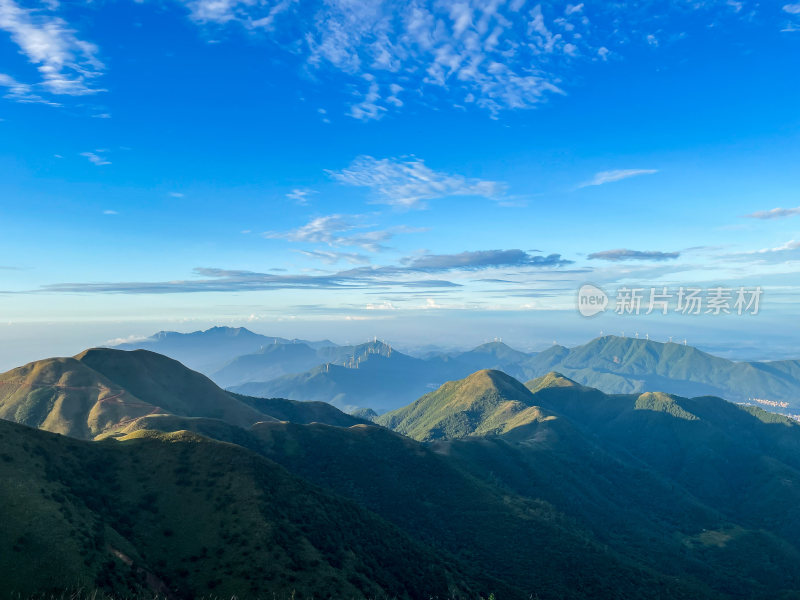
(101, 390)
(743, 460)
(66, 396)
(486, 402)
(531, 547)
(627, 365)
(182, 516)
(301, 412)
(160, 380)
(700, 489)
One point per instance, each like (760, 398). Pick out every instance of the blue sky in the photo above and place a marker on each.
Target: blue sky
(430, 172)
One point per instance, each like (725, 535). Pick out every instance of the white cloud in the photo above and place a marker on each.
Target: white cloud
(300, 195)
(616, 175)
(496, 55)
(22, 92)
(408, 182)
(790, 245)
(341, 230)
(110, 212)
(491, 54)
(332, 258)
(124, 340)
(774, 213)
(96, 158)
(794, 11)
(253, 14)
(66, 64)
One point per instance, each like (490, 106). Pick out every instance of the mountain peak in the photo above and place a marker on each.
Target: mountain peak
(492, 346)
(488, 401)
(492, 377)
(553, 379)
(228, 331)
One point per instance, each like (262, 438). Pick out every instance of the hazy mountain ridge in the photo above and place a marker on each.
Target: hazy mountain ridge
(629, 365)
(368, 375)
(611, 364)
(210, 350)
(374, 375)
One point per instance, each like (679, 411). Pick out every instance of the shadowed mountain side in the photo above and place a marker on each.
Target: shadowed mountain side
(635, 469)
(379, 382)
(182, 516)
(301, 412)
(270, 362)
(743, 460)
(374, 375)
(523, 541)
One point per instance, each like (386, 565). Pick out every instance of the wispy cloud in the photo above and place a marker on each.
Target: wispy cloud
(496, 55)
(790, 245)
(67, 65)
(484, 259)
(341, 230)
(253, 15)
(490, 54)
(409, 275)
(604, 177)
(300, 196)
(409, 182)
(110, 212)
(96, 158)
(774, 213)
(21, 92)
(331, 258)
(792, 9)
(625, 254)
(226, 280)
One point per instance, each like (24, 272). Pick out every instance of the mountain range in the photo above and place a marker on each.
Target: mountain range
(209, 350)
(374, 375)
(164, 483)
